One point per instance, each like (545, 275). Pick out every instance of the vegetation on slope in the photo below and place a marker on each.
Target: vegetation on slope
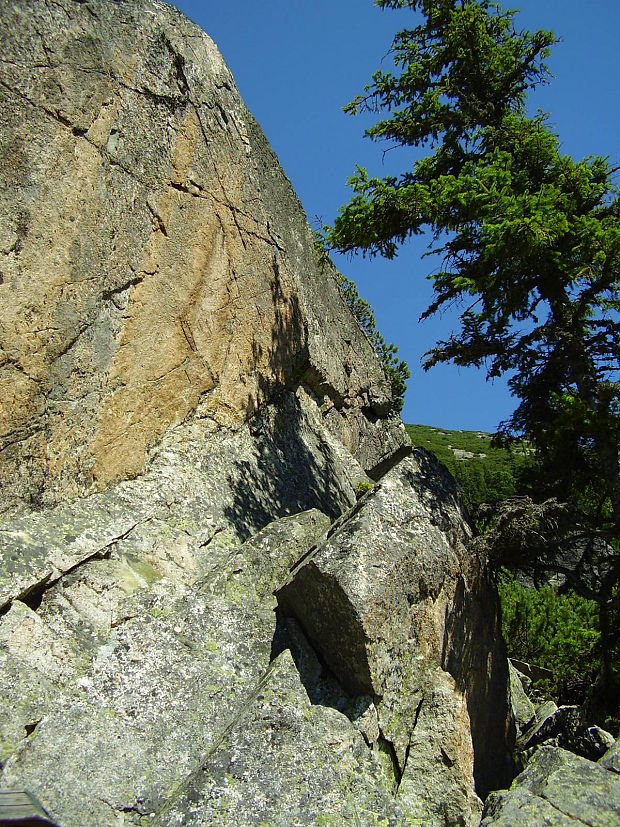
(486, 474)
(557, 631)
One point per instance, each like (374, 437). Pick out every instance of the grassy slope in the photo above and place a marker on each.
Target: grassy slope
(485, 473)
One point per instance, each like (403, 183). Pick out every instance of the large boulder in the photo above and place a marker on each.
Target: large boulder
(558, 789)
(383, 600)
(154, 259)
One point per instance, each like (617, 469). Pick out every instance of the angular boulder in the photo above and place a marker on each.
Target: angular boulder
(382, 602)
(523, 709)
(557, 788)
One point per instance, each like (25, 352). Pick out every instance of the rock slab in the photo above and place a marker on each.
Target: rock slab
(382, 602)
(558, 789)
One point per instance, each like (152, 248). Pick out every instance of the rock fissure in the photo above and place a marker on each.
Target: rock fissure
(108, 295)
(388, 747)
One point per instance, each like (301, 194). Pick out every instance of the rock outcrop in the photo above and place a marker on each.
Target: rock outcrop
(154, 260)
(382, 601)
(199, 624)
(558, 789)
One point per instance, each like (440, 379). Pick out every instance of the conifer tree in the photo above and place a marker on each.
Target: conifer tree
(530, 252)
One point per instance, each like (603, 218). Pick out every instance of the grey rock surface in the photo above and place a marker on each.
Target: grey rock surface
(557, 788)
(611, 759)
(381, 600)
(148, 672)
(287, 762)
(523, 709)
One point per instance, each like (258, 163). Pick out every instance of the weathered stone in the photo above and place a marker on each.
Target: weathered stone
(147, 696)
(289, 763)
(557, 788)
(436, 785)
(611, 759)
(354, 595)
(383, 601)
(154, 257)
(523, 709)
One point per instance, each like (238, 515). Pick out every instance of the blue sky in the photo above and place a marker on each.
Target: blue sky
(297, 62)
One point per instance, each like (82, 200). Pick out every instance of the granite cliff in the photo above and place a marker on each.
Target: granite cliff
(200, 624)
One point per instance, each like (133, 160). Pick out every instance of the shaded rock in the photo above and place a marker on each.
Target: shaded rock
(590, 742)
(392, 602)
(531, 671)
(354, 595)
(611, 759)
(564, 727)
(548, 723)
(156, 262)
(557, 788)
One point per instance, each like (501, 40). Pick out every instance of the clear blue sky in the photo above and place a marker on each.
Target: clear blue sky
(297, 62)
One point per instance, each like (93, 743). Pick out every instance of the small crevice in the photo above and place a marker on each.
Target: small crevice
(109, 295)
(381, 468)
(33, 595)
(416, 716)
(210, 539)
(178, 62)
(189, 336)
(447, 760)
(386, 746)
(134, 810)
(73, 341)
(158, 222)
(30, 728)
(238, 715)
(563, 812)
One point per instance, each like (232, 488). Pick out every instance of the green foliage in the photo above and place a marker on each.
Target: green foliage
(559, 632)
(362, 488)
(489, 475)
(394, 368)
(530, 251)
(530, 238)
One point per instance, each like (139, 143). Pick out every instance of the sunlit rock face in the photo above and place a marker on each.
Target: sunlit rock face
(155, 261)
(199, 622)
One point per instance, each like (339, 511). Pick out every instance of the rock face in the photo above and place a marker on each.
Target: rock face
(382, 601)
(154, 259)
(149, 674)
(186, 408)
